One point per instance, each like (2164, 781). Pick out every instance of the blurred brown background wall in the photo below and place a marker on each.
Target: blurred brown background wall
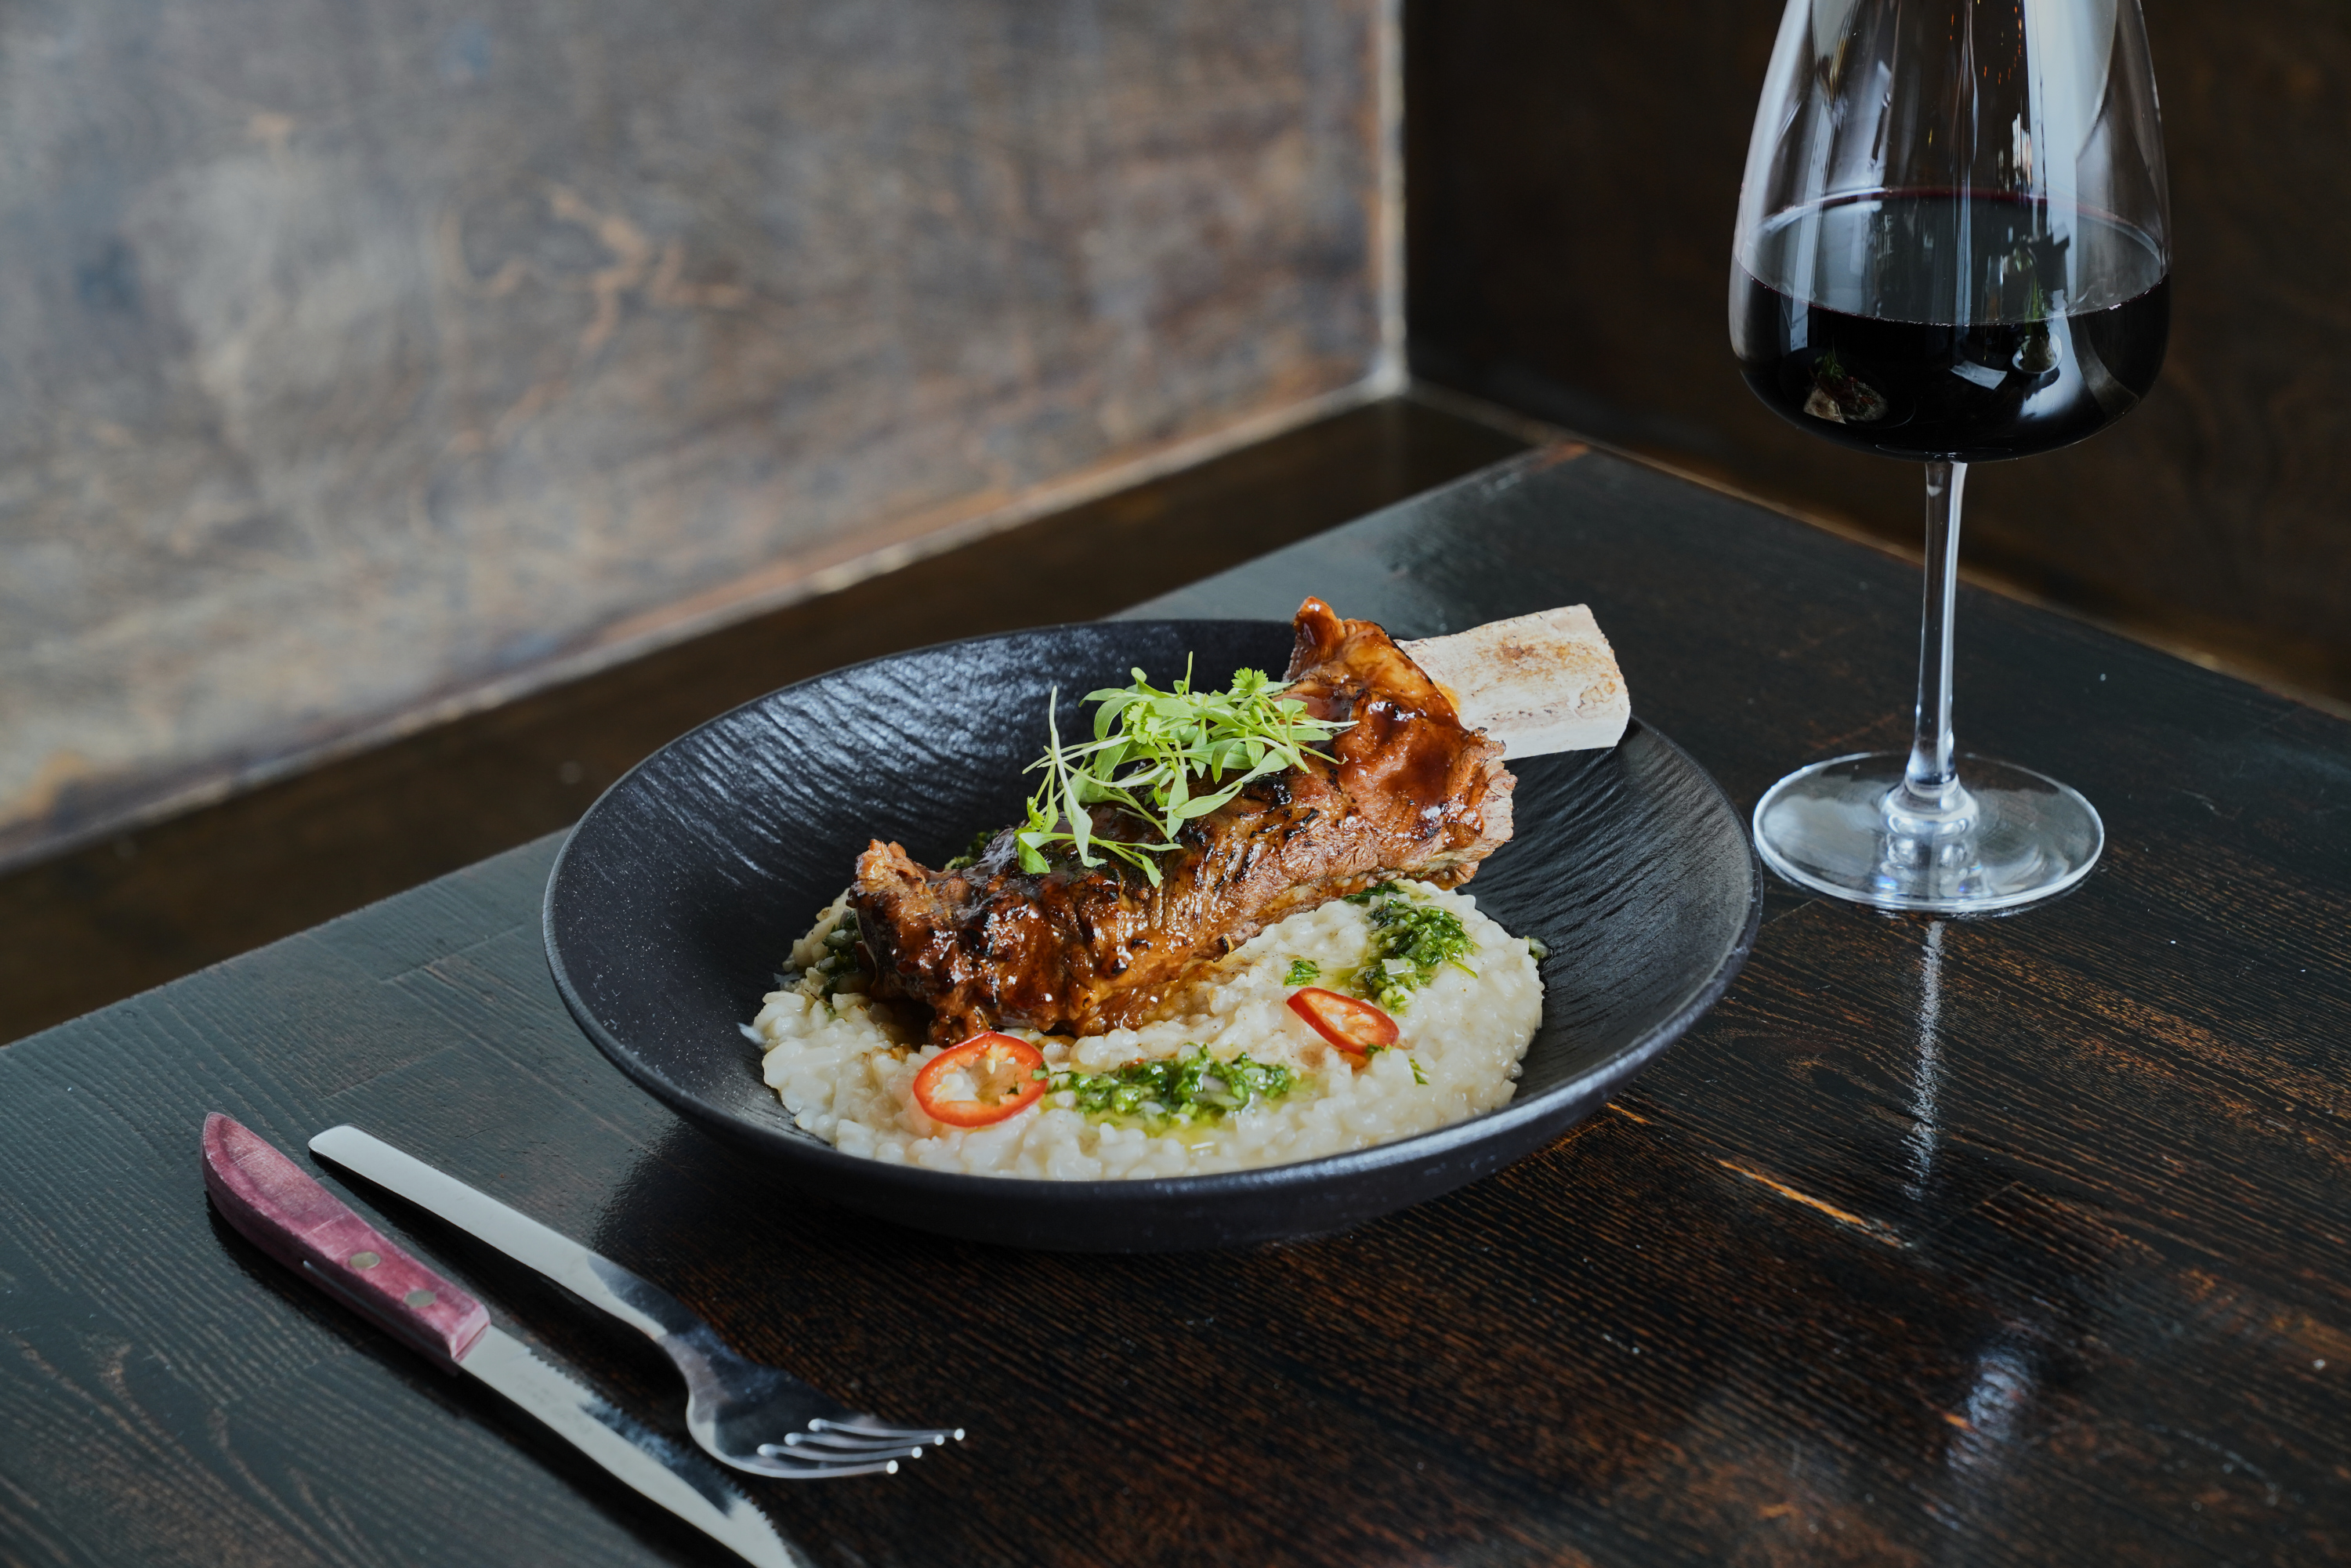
(1573, 173)
(358, 359)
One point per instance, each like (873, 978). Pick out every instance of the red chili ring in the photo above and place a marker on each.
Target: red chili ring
(1027, 1060)
(1353, 1026)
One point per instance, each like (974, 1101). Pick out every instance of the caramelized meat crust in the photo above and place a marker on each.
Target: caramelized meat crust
(1078, 951)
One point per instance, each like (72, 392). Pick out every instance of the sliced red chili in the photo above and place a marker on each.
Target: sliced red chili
(1009, 1072)
(1353, 1026)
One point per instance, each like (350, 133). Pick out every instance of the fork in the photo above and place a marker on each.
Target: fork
(752, 1417)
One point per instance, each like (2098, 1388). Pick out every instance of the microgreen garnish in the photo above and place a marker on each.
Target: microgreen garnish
(1165, 759)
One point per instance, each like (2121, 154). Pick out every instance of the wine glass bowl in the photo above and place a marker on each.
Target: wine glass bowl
(1953, 247)
(1866, 365)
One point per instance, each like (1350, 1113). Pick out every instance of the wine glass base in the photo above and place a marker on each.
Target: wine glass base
(2016, 837)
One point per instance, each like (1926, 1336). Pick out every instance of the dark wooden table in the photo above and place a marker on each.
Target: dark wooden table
(2008, 1241)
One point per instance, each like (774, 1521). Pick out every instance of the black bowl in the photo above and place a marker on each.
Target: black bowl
(674, 899)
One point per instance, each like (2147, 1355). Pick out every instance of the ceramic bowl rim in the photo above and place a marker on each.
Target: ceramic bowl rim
(814, 1156)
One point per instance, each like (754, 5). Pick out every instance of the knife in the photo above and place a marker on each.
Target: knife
(276, 1205)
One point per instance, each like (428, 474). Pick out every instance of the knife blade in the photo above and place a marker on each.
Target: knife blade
(685, 1483)
(276, 1205)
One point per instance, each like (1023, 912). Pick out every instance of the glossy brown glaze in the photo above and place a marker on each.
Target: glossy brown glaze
(1991, 1243)
(1435, 795)
(1406, 792)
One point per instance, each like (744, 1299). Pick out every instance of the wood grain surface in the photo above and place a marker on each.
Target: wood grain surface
(1573, 174)
(1999, 1242)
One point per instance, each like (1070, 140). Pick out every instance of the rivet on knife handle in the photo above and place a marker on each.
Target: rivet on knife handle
(276, 1206)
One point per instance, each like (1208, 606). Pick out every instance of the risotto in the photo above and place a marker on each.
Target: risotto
(1230, 1076)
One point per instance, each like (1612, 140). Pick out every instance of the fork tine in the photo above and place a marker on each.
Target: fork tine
(773, 1460)
(833, 1442)
(818, 1430)
(803, 1458)
(821, 1453)
(866, 1427)
(790, 1449)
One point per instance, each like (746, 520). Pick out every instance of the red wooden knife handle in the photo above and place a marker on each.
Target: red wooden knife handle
(276, 1205)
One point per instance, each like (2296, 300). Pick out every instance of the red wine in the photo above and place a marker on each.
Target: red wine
(1935, 327)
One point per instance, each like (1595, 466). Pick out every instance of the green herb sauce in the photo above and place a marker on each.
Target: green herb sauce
(840, 964)
(1303, 972)
(972, 852)
(1411, 941)
(1184, 1089)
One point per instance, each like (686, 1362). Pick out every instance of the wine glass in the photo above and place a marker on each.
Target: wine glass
(1952, 247)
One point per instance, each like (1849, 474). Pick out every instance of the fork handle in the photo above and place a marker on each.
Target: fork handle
(590, 1275)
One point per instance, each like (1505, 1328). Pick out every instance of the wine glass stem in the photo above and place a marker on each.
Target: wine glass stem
(1930, 782)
